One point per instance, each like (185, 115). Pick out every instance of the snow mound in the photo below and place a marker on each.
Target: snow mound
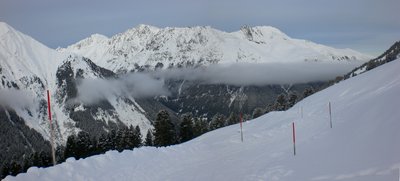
(362, 145)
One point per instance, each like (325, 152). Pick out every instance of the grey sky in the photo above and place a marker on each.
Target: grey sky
(369, 26)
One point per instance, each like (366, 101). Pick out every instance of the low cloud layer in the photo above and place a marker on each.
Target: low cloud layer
(260, 74)
(136, 85)
(151, 84)
(15, 99)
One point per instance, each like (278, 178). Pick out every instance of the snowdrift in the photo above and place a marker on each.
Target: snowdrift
(362, 145)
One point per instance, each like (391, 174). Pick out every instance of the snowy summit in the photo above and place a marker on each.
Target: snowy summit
(146, 45)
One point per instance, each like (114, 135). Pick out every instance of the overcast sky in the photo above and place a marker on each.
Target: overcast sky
(369, 26)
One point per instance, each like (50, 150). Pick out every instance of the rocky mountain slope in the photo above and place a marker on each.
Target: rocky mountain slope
(28, 69)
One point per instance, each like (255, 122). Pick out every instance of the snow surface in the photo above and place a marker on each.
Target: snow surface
(362, 145)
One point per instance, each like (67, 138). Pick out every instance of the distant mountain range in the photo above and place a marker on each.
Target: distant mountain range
(148, 47)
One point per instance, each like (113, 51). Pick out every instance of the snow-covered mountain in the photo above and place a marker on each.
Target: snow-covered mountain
(29, 68)
(362, 145)
(148, 47)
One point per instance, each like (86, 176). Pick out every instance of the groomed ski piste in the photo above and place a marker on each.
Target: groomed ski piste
(363, 143)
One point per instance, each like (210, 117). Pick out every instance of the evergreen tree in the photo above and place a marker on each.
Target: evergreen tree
(200, 127)
(102, 145)
(137, 141)
(233, 119)
(111, 140)
(93, 147)
(246, 117)
(45, 159)
(70, 148)
(133, 137)
(292, 100)
(269, 108)
(5, 170)
(257, 112)
(15, 168)
(130, 138)
(120, 140)
(307, 92)
(186, 128)
(35, 159)
(218, 121)
(371, 65)
(83, 144)
(26, 163)
(164, 130)
(280, 103)
(149, 138)
(60, 154)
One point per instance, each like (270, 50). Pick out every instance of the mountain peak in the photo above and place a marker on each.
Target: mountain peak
(98, 36)
(262, 32)
(143, 28)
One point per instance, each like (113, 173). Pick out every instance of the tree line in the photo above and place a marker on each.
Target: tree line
(283, 102)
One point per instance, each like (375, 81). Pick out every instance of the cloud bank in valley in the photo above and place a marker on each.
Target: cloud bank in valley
(247, 74)
(16, 99)
(150, 84)
(138, 85)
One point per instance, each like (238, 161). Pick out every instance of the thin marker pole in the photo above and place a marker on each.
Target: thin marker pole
(330, 114)
(241, 130)
(294, 140)
(53, 154)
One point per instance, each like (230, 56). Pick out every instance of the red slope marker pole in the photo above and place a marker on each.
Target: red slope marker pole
(51, 129)
(241, 129)
(330, 114)
(48, 105)
(294, 140)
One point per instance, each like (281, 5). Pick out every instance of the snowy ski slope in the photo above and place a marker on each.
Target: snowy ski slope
(364, 143)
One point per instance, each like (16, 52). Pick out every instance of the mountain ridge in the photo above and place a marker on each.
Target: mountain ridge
(150, 47)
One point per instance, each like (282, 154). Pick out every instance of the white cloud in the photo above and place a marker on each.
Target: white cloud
(153, 83)
(136, 85)
(16, 99)
(261, 74)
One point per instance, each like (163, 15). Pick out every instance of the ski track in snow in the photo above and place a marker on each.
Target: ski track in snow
(362, 145)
